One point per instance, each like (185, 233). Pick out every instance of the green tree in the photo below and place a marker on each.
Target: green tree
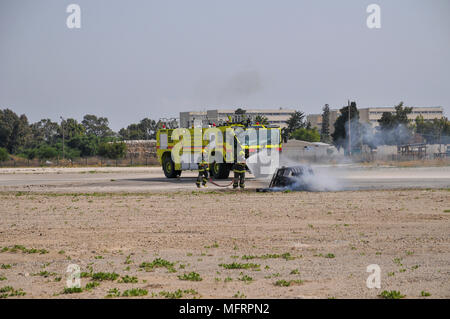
(295, 122)
(305, 134)
(394, 128)
(343, 123)
(45, 152)
(325, 130)
(436, 131)
(390, 120)
(97, 126)
(3, 154)
(29, 153)
(15, 131)
(113, 150)
(144, 130)
(86, 145)
(71, 128)
(240, 111)
(132, 132)
(261, 119)
(148, 127)
(44, 131)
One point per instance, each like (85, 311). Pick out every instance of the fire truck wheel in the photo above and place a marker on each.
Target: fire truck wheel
(169, 167)
(220, 170)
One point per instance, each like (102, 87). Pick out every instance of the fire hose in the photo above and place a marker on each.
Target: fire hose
(218, 185)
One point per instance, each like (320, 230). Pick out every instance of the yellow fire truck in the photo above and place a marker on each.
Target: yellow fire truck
(181, 149)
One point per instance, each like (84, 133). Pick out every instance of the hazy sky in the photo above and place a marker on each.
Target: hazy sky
(136, 59)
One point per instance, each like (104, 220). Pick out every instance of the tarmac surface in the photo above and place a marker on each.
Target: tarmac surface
(145, 179)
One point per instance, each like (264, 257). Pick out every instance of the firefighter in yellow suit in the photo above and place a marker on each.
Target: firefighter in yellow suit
(203, 167)
(239, 171)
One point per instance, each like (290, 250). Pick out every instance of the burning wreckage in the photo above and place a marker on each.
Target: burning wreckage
(289, 178)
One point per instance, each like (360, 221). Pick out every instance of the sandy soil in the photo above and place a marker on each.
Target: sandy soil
(331, 238)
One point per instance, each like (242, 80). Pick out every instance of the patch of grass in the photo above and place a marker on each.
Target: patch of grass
(215, 245)
(114, 292)
(246, 279)
(239, 295)
(92, 285)
(235, 265)
(5, 266)
(446, 210)
(158, 263)
(329, 255)
(295, 272)
(393, 294)
(286, 256)
(177, 294)
(409, 253)
(102, 276)
(287, 283)
(73, 290)
(25, 250)
(398, 261)
(425, 294)
(98, 257)
(61, 252)
(228, 279)
(9, 291)
(192, 276)
(2, 278)
(128, 280)
(135, 292)
(128, 260)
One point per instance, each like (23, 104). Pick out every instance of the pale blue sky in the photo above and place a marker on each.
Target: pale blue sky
(135, 59)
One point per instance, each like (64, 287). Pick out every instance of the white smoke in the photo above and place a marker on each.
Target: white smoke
(315, 178)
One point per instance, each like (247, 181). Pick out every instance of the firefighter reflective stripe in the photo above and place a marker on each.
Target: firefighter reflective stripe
(203, 166)
(239, 168)
(202, 178)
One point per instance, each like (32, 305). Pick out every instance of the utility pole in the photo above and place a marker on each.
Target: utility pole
(349, 131)
(62, 128)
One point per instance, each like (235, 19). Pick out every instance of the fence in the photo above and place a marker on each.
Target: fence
(86, 161)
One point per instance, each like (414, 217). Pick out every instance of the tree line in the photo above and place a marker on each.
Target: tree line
(68, 139)
(395, 128)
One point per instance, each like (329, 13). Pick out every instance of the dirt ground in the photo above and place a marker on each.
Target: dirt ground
(291, 245)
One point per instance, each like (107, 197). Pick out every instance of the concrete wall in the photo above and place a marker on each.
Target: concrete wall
(141, 149)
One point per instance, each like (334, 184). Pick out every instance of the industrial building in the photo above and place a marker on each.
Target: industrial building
(275, 116)
(373, 114)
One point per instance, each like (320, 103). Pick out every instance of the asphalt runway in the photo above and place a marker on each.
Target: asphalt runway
(152, 179)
